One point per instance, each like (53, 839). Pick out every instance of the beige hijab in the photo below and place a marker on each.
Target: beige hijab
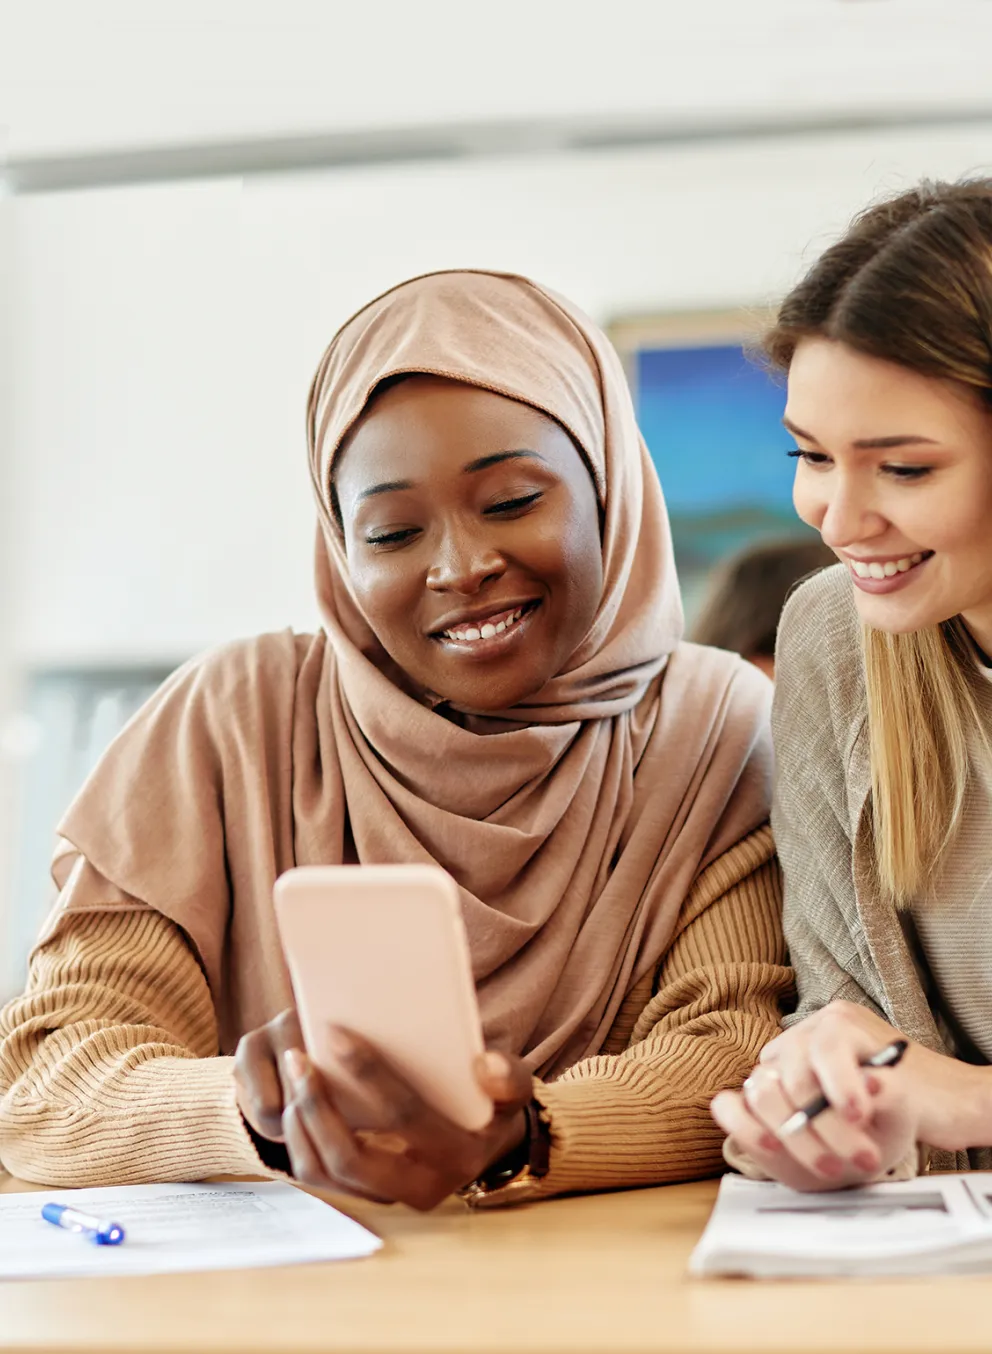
(574, 839)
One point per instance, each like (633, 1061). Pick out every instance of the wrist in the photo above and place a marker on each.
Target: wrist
(517, 1172)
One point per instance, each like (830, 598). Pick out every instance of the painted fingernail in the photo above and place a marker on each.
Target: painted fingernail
(295, 1064)
(828, 1164)
(865, 1161)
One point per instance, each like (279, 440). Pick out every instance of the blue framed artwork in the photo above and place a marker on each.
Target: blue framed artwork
(711, 416)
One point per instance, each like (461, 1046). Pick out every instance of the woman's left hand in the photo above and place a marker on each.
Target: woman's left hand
(875, 1118)
(366, 1131)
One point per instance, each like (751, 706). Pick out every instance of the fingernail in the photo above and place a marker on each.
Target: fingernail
(852, 1111)
(865, 1161)
(769, 1143)
(873, 1085)
(828, 1164)
(496, 1064)
(295, 1064)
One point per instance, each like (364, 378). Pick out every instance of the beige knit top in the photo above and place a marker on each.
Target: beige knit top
(110, 1073)
(845, 940)
(953, 938)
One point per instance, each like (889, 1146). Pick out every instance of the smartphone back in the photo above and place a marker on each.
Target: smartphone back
(382, 950)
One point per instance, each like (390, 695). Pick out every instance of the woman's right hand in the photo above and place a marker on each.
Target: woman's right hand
(262, 1093)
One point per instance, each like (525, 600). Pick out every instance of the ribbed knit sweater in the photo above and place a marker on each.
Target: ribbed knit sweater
(110, 1071)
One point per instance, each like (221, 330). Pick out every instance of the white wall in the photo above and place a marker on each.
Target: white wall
(165, 339)
(7, 768)
(82, 77)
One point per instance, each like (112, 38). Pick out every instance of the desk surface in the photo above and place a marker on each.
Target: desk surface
(602, 1273)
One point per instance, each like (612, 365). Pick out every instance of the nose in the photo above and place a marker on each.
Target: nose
(839, 506)
(464, 563)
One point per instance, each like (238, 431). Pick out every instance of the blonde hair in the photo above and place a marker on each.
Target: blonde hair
(921, 706)
(911, 282)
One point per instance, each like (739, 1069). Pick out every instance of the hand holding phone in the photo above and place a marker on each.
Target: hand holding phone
(358, 1124)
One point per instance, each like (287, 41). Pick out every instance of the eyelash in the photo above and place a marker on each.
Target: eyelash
(907, 473)
(507, 506)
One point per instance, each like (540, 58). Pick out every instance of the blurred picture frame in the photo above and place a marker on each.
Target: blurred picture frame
(710, 411)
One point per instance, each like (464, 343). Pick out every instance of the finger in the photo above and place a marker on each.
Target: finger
(369, 1093)
(306, 1164)
(506, 1080)
(759, 1145)
(284, 1034)
(353, 1163)
(322, 1152)
(259, 1085)
(853, 1146)
(835, 1054)
(768, 1099)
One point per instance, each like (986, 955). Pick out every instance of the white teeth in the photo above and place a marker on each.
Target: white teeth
(486, 631)
(887, 570)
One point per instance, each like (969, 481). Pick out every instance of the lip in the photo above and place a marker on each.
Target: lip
(457, 619)
(486, 650)
(883, 586)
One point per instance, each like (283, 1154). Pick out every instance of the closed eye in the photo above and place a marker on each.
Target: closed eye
(819, 460)
(907, 472)
(392, 537)
(511, 505)
(816, 458)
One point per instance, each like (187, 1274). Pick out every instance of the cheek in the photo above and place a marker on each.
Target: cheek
(809, 504)
(381, 588)
(577, 544)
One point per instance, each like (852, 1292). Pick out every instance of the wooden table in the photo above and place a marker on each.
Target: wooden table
(603, 1273)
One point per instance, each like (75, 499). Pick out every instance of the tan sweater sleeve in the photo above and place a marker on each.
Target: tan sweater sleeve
(642, 1116)
(109, 1071)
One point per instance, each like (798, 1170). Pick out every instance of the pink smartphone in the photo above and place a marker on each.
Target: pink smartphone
(382, 950)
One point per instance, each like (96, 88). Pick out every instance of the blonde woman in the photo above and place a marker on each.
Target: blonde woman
(883, 709)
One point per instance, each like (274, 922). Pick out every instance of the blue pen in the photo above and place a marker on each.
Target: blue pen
(100, 1233)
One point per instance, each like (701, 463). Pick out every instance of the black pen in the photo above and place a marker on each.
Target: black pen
(888, 1056)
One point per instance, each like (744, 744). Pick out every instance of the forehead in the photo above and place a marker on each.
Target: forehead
(838, 394)
(429, 423)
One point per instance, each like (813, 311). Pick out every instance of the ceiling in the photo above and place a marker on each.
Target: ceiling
(111, 91)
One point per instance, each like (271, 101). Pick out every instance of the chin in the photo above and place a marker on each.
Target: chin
(887, 614)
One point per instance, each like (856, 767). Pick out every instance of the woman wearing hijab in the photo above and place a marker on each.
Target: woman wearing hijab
(500, 688)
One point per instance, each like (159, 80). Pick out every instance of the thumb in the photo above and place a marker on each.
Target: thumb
(504, 1078)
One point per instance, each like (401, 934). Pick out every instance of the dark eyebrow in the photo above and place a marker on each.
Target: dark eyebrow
(869, 443)
(387, 487)
(482, 463)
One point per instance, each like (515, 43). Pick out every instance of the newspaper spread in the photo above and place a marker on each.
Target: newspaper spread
(938, 1224)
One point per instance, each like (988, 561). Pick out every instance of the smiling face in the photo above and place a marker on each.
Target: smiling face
(471, 527)
(895, 472)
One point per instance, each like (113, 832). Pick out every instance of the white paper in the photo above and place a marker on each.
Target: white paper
(175, 1228)
(938, 1224)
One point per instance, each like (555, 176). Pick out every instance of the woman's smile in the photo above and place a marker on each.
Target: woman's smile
(887, 575)
(488, 634)
(471, 526)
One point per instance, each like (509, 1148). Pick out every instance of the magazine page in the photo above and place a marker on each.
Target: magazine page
(938, 1224)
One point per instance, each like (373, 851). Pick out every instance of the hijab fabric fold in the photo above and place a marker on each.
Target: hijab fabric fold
(574, 835)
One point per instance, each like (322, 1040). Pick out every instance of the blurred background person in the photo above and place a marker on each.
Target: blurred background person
(747, 592)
